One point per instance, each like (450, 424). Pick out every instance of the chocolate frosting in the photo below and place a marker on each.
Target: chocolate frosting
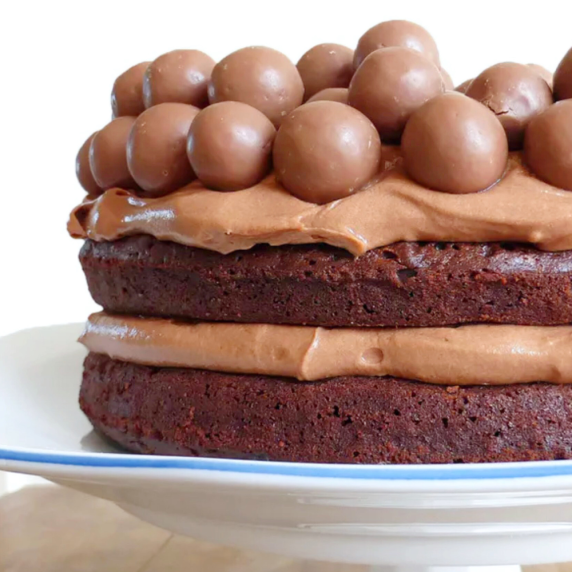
(468, 355)
(519, 208)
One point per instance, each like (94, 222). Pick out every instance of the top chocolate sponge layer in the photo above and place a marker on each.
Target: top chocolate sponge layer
(405, 284)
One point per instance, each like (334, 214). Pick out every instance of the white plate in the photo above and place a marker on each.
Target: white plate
(447, 515)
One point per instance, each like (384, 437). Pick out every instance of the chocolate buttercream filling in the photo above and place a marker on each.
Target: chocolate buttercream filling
(393, 208)
(466, 355)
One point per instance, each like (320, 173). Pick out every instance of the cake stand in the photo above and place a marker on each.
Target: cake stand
(388, 517)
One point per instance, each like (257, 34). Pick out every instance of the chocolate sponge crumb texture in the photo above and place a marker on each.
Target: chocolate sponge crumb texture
(342, 260)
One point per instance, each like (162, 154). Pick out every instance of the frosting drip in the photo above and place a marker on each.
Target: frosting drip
(467, 355)
(393, 208)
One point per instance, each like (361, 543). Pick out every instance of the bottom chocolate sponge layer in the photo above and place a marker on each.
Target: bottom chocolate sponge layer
(173, 411)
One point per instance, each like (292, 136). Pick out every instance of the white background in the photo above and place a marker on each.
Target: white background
(59, 60)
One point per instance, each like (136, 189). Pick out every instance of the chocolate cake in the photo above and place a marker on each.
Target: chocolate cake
(404, 284)
(342, 420)
(343, 261)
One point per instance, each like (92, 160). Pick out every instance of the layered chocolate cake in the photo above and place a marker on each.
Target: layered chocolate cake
(340, 261)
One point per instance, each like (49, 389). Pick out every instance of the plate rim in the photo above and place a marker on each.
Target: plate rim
(420, 473)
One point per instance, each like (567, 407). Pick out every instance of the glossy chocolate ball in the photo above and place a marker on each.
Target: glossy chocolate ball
(324, 66)
(390, 85)
(108, 155)
(548, 145)
(463, 87)
(180, 76)
(157, 148)
(83, 170)
(454, 144)
(339, 94)
(546, 75)
(230, 146)
(325, 151)
(515, 93)
(396, 33)
(260, 77)
(447, 80)
(563, 78)
(127, 92)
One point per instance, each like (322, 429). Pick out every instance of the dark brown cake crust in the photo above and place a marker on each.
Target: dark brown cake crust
(346, 420)
(406, 284)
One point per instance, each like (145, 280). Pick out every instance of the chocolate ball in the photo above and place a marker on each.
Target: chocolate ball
(127, 92)
(260, 77)
(180, 76)
(548, 145)
(515, 94)
(563, 78)
(546, 75)
(108, 155)
(230, 146)
(396, 33)
(390, 85)
(339, 94)
(326, 65)
(463, 87)
(83, 170)
(447, 80)
(454, 144)
(157, 148)
(325, 151)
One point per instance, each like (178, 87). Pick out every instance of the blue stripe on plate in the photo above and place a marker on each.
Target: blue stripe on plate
(368, 472)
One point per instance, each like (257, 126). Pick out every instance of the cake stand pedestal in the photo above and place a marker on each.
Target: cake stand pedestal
(320, 567)
(100, 537)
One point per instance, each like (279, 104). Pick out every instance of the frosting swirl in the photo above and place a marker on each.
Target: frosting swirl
(393, 208)
(467, 355)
